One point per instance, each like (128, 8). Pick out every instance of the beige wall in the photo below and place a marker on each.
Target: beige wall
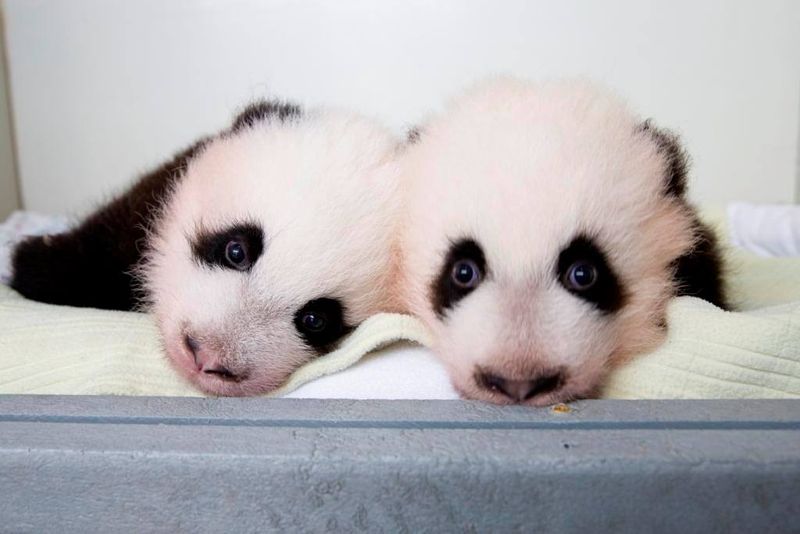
(797, 169)
(104, 89)
(9, 196)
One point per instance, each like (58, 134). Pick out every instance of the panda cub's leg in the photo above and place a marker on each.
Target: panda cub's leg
(700, 272)
(91, 265)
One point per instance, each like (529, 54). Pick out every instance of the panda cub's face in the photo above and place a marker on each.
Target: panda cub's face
(539, 239)
(273, 245)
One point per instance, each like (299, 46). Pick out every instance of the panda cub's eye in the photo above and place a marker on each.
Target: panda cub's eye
(466, 274)
(581, 275)
(462, 271)
(236, 254)
(237, 247)
(584, 270)
(312, 321)
(320, 322)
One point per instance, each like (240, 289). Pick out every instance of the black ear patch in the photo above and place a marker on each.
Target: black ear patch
(605, 293)
(699, 272)
(263, 110)
(413, 135)
(445, 292)
(212, 248)
(677, 160)
(320, 322)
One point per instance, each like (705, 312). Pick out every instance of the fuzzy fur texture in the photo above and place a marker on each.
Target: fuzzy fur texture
(523, 170)
(321, 186)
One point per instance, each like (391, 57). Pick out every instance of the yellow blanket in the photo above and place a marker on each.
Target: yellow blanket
(752, 353)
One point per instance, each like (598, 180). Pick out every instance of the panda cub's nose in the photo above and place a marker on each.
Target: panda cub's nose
(522, 390)
(206, 361)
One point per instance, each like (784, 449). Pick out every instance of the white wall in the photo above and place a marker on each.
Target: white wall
(9, 196)
(102, 89)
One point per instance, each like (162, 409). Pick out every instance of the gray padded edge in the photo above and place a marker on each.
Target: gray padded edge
(101, 464)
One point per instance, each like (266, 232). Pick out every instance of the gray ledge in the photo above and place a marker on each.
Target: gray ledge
(84, 464)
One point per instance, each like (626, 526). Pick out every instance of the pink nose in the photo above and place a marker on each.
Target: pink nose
(206, 361)
(522, 390)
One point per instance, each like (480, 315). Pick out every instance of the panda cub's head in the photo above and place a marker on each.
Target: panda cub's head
(542, 227)
(273, 244)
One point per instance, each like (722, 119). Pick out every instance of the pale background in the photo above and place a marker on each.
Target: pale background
(103, 89)
(9, 194)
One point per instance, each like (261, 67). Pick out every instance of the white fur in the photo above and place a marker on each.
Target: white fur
(322, 187)
(523, 168)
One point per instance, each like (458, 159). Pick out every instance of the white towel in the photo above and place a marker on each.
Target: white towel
(766, 230)
(19, 225)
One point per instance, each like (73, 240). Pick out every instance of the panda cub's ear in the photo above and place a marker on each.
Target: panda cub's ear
(263, 110)
(413, 135)
(669, 146)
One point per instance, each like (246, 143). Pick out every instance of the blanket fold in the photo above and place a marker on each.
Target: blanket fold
(709, 353)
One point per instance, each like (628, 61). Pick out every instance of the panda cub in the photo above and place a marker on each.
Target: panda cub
(256, 250)
(545, 229)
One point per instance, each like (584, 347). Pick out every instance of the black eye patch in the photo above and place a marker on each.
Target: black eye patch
(237, 247)
(320, 322)
(456, 278)
(580, 257)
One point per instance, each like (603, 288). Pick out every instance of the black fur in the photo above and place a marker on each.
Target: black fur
(677, 160)
(606, 294)
(263, 110)
(91, 265)
(700, 272)
(444, 293)
(332, 312)
(210, 248)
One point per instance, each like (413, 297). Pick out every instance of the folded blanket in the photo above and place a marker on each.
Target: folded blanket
(715, 354)
(752, 353)
(61, 350)
(709, 353)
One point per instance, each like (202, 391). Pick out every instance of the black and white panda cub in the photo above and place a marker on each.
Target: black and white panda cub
(256, 249)
(545, 228)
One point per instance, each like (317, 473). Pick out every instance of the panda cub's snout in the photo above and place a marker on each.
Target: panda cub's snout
(209, 358)
(545, 229)
(537, 385)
